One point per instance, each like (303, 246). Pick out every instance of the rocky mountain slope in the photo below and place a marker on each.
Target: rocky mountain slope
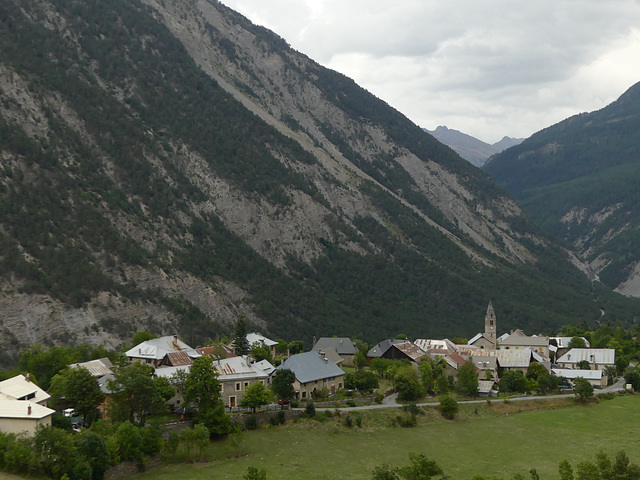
(169, 166)
(470, 148)
(579, 180)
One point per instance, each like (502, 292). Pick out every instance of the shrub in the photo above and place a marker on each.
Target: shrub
(310, 410)
(448, 407)
(412, 408)
(379, 397)
(278, 419)
(351, 403)
(406, 420)
(348, 421)
(251, 423)
(358, 421)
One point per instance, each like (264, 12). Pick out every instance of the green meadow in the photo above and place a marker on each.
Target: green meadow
(489, 439)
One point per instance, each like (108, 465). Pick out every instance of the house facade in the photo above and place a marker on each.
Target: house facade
(23, 416)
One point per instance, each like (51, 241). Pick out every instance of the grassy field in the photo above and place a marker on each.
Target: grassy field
(498, 439)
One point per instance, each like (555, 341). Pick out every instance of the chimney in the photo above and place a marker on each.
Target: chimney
(29, 409)
(315, 340)
(326, 360)
(27, 377)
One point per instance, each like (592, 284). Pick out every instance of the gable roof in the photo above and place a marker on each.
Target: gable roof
(342, 345)
(478, 337)
(256, 337)
(310, 367)
(572, 374)
(176, 359)
(411, 350)
(514, 358)
(21, 388)
(381, 348)
(485, 362)
(597, 356)
(25, 409)
(264, 366)
(97, 368)
(519, 339)
(237, 368)
(332, 355)
(207, 351)
(485, 386)
(157, 348)
(430, 345)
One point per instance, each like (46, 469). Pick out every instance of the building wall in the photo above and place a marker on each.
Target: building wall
(23, 425)
(231, 390)
(305, 390)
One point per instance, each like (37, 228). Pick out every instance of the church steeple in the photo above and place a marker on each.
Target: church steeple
(490, 324)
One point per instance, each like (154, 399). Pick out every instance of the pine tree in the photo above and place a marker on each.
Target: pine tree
(241, 344)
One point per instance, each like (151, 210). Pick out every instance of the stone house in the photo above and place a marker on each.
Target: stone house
(343, 346)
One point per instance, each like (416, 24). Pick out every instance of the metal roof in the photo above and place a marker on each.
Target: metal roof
(428, 344)
(157, 348)
(177, 359)
(237, 368)
(256, 337)
(573, 374)
(97, 368)
(342, 345)
(485, 362)
(20, 388)
(598, 356)
(520, 358)
(485, 386)
(524, 340)
(26, 409)
(310, 367)
(563, 342)
(411, 350)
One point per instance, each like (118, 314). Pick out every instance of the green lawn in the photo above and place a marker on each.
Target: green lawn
(489, 442)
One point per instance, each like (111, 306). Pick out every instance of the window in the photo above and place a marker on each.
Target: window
(246, 384)
(304, 394)
(238, 387)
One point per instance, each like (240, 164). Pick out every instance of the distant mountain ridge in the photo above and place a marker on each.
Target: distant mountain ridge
(579, 180)
(470, 148)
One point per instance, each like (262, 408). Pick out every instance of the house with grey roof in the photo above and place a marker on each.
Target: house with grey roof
(313, 373)
(343, 346)
(598, 358)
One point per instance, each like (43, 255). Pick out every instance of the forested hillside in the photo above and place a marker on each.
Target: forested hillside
(579, 179)
(169, 166)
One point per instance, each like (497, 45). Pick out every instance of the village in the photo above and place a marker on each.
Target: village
(320, 372)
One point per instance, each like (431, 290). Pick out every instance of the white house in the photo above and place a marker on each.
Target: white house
(23, 416)
(154, 351)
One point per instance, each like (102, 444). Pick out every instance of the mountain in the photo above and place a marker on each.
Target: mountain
(579, 180)
(169, 166)
(470, 148)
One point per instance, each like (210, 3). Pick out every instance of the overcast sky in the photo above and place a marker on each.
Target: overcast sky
(486, 67)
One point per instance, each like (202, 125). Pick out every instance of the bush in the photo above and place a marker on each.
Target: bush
(406, 420)
(348, 421)
(351, 403)
(310, 410)
(278, 419)
(448, 407)
(358, 421)
(251, 423)
(412, 408)
(379, 397)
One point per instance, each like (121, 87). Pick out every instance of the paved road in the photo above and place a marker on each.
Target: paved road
(391, 400)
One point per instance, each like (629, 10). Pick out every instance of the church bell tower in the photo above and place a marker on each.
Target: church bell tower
(490, 325)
